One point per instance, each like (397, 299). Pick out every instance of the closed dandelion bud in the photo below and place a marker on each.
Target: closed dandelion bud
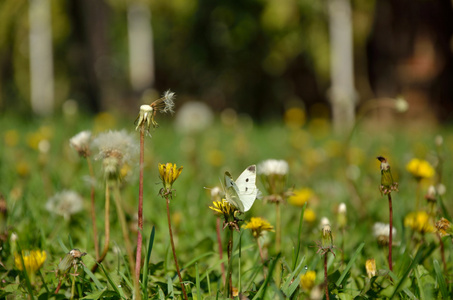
(342, 218)
(387, 183)
(431, 194)
(326, 236)
(370, 266)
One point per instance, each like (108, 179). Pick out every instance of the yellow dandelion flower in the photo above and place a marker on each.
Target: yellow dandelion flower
(307, 281)
(420, 169)
(223, 207)
(258, 226)
(370, 266)
(300, 196)
(33, 260)
(419, 221)
(309, 215)
(168, 174)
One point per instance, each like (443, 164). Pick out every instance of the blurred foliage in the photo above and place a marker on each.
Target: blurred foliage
(255, 56)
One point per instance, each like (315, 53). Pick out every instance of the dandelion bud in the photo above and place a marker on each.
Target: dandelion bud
(431, 194)
(326, 236)
(370, 266)
(342, 218)
(168, 174)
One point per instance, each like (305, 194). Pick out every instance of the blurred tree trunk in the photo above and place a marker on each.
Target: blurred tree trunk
(342, 91)
(141, 52)
(92, 59)
(41, 59)
(409, 54)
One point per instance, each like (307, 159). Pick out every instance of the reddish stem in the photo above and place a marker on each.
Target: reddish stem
(140, 205)
(325, 277)
(390, 231)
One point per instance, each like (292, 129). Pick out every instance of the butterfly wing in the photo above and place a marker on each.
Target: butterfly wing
(232, 192)
(246, 188)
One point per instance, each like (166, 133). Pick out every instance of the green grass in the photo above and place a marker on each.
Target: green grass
(317, 159)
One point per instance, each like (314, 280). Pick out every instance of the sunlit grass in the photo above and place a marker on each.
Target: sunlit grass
(318, 161)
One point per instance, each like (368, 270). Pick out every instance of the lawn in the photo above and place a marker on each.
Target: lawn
(39, 168)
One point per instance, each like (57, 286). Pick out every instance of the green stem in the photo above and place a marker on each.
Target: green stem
(93, 209)
(106, 225)
(173, 248)
(122, 218)
(140, 204)
(278, 233)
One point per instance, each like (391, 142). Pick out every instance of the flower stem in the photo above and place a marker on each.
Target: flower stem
(173, 248)
(326, 283)
(93, 209)
(390, 231)
(219, 241)
(278, 232)
(122, 218)
(261, 256)
(228, 282)
(107, 226)
(140, 204)
(442, 252)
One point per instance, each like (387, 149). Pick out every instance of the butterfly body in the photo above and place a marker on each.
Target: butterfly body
(242, 192)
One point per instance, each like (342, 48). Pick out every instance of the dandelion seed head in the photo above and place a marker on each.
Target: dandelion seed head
(193, 117)
(119, 145)
(381, 232)
(273, 167)
(342, 208)
(81, 142)
(65, 203)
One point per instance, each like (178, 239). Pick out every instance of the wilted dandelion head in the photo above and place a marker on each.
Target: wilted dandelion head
(419, 221)
(258, 226)
(116, 149)
(273, 167)
(443, 226)
(65, 203)
(81, 143)
(420, 169)
(381, 233)
(33, 260)
(370, 266)
(193, 117)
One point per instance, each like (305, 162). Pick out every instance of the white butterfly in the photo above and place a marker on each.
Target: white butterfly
(242, 192)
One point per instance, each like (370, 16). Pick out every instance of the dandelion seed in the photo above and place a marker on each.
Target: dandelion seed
(65, 203)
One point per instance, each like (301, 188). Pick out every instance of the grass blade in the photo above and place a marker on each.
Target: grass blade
(262, 290)
(145, 266)
(348, 267)
(96, 281)
(299, 235)
(440, 280)
(197, 280)
(110, 281)
(414, 263)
